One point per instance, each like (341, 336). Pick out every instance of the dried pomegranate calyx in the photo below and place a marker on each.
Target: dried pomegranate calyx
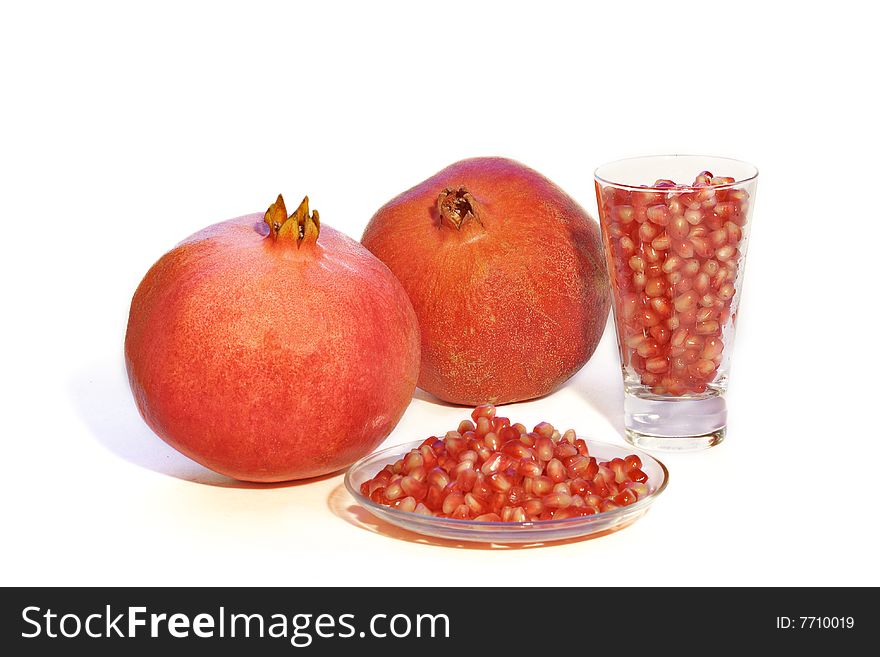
(300, 228)
(457, 206)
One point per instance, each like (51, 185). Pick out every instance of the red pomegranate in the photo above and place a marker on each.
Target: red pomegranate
(270, 348)
(506, 274)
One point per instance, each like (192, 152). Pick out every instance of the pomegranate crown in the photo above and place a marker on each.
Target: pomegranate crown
(298, 228)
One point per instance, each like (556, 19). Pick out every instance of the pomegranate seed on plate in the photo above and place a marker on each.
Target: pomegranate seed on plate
(485, 410)
(519, 476)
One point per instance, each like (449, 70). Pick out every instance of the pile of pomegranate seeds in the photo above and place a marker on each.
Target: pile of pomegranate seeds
(492, 470)
(675, 256)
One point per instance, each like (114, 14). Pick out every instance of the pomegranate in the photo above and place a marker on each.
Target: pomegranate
(676, 255)
(270, 348)
(507, 277)
(498, 472)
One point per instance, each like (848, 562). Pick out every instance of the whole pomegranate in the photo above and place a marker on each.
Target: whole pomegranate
(506, 274)
(270, 348)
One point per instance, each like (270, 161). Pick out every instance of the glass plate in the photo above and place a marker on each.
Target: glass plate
(509, 532)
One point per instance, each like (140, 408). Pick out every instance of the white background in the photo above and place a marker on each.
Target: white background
(125, 129)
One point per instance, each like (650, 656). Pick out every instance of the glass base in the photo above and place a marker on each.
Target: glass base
(675, 424)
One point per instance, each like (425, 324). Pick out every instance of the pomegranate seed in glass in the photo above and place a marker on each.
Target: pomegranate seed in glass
(675, 229)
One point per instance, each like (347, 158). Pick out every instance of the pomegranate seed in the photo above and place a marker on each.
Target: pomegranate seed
(422, 510)
(498, 501)
(476, 506)
(517, 496)
(712, 348)
(393, 491)
(718, 238)
(702, 247)
(657, 365)
(528, 439)
(465, 426)
(607, 505)
(495, 463)
(484, 425)
(516, 450)
(636, 474)
(555, 470)
(678, 337)
(468, 455)
(579, 467)
(647, 232)
(661, 243)
(656, 287)
(639, 280)
(454, 443)
(658, 214)
(579, 486)
(413, 460)
(406, 504)
(707, 328)
(492, 441)
(682, 284)
(481, 487)
(482, 451)
(693, 217)
(640, 488)
(678, 228)
(500, 482)
(673, 263)
(624, 213)
(557, 500)
(581, 445)
(529, 468)
(484, 410)
(726, 292)
(564, 450)
(691, 267)
(452, 502)
(544, 448)
(636, 263)
(626, 245)
(414, 488)
(685, 301)
(488, 517)
(434, 499)
(544, 429)
(593, 500)
(466, 480)
(541, 485)
(726, 253)
(534, 507)
(683, 248)
(704, 367)
(625, 498)
(661, 308)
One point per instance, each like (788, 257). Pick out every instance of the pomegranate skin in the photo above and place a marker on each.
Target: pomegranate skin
(507, 276)
(266, 361)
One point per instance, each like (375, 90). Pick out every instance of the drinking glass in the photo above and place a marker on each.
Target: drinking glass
(675, 229)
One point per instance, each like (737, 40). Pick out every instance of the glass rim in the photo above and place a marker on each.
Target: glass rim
(736, 183)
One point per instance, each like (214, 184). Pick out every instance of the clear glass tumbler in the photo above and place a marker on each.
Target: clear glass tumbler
(675, 229)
